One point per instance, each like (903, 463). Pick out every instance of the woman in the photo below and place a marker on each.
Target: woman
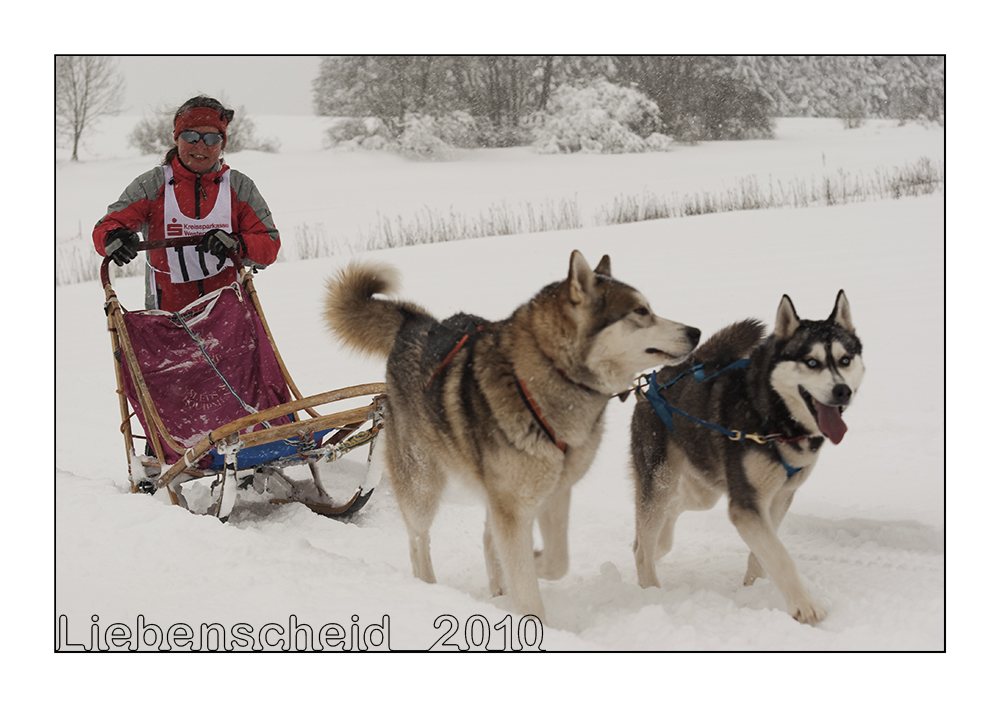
(182, 198)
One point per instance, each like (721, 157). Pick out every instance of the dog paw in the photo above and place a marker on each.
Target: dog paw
(808, 613)
(647, 577)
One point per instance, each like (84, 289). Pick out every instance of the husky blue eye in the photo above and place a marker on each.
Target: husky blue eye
(812, 363)
(845, 361)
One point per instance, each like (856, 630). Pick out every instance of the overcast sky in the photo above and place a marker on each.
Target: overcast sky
(263, 85)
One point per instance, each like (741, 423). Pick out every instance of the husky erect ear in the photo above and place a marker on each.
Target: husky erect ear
(604, 267)
(842, 312)
(581, 277)
(787, 320)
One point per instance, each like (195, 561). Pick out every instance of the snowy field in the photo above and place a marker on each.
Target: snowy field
(866, 531)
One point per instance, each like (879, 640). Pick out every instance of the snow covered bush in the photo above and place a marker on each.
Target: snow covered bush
(852, 113)
(151, 136)
(435, 136)
(419, 135)
(457, 129)
(658, 142)
(355, 133)
(156, 135)
(599, 117)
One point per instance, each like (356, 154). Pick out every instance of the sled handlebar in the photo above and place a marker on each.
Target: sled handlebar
(167, 243)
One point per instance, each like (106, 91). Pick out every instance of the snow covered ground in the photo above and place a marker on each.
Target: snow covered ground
(866, 531)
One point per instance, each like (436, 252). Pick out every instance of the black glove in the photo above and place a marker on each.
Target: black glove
(121, 244)
(219, 243)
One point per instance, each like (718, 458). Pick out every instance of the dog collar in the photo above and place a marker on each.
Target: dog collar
(623, 396)
(581, 386)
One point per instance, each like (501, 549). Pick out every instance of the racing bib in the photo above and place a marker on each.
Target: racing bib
(186, 263)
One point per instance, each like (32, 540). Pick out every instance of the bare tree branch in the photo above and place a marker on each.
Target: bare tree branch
(87, 88)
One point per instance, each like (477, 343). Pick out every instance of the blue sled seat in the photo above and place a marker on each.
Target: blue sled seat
(268, 453)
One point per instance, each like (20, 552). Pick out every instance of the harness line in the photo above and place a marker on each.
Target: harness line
(664, 410)
(536, 412)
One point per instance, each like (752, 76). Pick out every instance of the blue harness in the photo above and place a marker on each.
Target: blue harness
(665, 411)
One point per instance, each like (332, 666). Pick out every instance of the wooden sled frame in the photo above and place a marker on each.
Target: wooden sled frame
(227, 439)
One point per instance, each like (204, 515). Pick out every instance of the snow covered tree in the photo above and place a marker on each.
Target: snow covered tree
(914, 87)
(385, 87)
(87, 89)
(499, 92)
(849, 87)
(700, 97)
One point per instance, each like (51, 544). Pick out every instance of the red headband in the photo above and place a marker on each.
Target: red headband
(198, 117)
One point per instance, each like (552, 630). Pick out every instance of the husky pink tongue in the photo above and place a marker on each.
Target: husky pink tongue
(830, 422)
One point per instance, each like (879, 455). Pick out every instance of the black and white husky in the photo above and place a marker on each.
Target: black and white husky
(747, 417)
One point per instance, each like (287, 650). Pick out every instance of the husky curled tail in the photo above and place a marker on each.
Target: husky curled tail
(356, 317)
(731, 343)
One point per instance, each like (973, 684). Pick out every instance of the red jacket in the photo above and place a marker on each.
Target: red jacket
(140, 209)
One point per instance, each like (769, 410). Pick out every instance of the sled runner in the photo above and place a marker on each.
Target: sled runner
(215, 400)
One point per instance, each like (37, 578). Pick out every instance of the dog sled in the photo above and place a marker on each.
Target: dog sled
(214, 401)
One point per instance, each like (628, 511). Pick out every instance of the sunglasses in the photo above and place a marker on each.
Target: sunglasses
(193, 136)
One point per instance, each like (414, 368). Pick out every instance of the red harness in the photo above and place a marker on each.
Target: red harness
(450, 356)
(537, 413)
(525, 395)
